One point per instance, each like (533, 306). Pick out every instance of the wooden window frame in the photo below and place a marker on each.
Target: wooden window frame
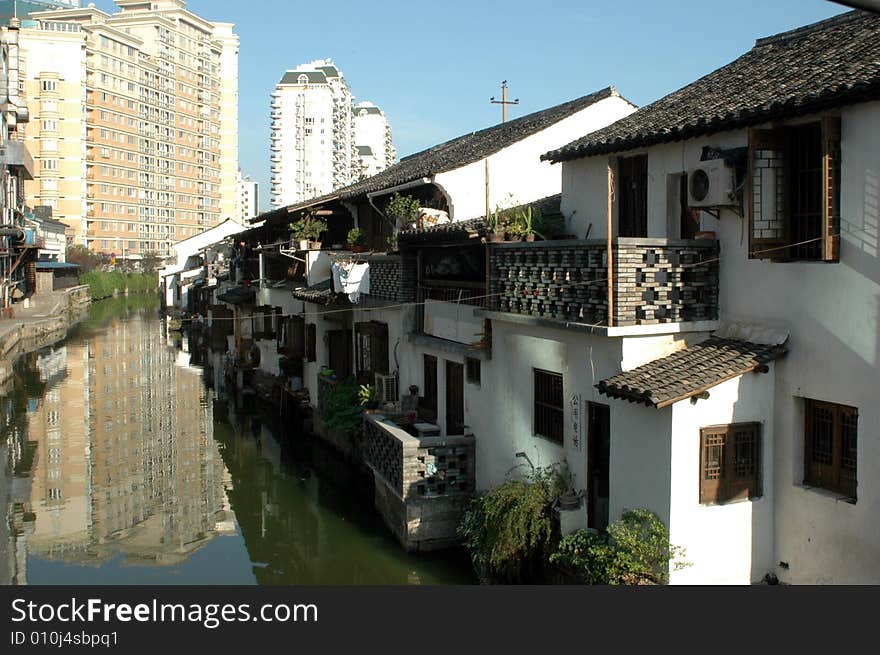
(548, 418)
(780, 139)
(727, 485)
(835, 475)
(632, 203)
(371, 350)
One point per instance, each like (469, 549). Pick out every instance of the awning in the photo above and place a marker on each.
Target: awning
(238, 296)
(321, 293)
(690, 372)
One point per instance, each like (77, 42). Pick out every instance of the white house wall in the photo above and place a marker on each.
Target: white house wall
(518, 170)
(831, 312)
(730, 543)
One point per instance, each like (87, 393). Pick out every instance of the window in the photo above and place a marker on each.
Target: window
(549, 412)
(795, 181)
(632, 192)
(730, 466)
(371, 350)
(50, 165)
(474, 372)
(49, 85)
(830, 447)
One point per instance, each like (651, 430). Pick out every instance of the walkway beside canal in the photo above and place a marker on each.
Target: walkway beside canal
(44, 321)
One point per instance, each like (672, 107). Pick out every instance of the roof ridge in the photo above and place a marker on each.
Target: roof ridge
(812, 28)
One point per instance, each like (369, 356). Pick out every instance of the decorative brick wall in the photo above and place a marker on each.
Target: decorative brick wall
(419, 468)
(656, 281)
(392, 277)
(767, 199)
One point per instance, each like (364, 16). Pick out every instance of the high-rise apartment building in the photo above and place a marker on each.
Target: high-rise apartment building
(313, 142)
(372, 137)
(136, 121)
(249, 198)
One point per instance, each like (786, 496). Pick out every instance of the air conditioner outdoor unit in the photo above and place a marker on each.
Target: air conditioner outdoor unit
(711, 184)
(386, 385)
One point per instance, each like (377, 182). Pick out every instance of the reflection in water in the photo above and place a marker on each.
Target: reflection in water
(116, 471)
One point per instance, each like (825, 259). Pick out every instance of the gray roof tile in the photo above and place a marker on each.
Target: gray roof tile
(813, 68)
(689, 372)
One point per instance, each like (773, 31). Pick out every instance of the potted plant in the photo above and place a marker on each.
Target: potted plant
(357, 240)
(307, 232)
(497, 227)
(404, 210)
(369, 396)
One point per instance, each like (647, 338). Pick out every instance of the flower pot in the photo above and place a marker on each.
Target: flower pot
(356, 248)
(303, 244)
(495, 237)
(530, 237)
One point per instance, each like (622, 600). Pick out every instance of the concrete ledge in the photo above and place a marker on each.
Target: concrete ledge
(451, 347)
(601, 330)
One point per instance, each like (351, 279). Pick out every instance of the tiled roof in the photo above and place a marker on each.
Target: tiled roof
(827, 64)
(462, 150)
(689, 372)
(321, 293)
(475, 227)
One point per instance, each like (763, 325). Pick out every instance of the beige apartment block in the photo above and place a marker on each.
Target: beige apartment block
(147, 129)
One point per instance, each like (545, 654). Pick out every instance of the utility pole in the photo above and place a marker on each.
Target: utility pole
(504, 101)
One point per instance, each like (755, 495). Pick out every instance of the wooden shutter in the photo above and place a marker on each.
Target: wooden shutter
(311, 342)
(831, 188)
(730, 462)
(830, 447)
(632, 175)
(428, 402)
(454, 398)
(295, 339)
(763, 244)
(371, 341)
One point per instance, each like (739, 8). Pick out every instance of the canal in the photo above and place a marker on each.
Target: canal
(124, 464)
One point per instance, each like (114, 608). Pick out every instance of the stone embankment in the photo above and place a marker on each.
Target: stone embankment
(45, 321)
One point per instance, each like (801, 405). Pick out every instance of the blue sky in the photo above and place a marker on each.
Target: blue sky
(433, 66)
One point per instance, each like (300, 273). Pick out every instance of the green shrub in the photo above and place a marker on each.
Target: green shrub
(634, 550)
(511, 531)
(342, 410)
(106, 284)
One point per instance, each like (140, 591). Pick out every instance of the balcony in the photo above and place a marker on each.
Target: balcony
(657, 282)
(423, 482)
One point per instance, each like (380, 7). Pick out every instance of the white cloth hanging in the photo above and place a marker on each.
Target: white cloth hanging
(351, 279)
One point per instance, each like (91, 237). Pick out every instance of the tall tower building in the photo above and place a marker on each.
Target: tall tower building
(249, 198)
(372, 138)
(136, 123)
(312, 142)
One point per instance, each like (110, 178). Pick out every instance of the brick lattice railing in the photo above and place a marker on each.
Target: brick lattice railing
(418, 467)
(656, 280)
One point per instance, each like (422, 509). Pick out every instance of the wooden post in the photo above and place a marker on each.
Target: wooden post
(610, 246)
(488, 211)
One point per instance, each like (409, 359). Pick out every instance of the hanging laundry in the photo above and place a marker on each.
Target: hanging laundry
(351, 279)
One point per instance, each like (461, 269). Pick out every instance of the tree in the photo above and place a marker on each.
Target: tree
(151, 262)
(84, 258)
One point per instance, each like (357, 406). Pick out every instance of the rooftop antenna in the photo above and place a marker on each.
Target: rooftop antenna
(504, 101)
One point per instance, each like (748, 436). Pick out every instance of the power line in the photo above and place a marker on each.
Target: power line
(493, 295)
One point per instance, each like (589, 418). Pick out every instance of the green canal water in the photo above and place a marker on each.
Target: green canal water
(125, 463)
